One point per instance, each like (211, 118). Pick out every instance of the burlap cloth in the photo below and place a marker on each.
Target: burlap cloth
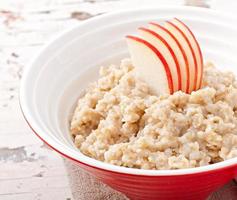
(86, 187)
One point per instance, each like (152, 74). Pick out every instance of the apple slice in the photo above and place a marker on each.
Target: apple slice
(197, 50)
(183, 39)
(178, 51)
(150, 65)
(164, 48)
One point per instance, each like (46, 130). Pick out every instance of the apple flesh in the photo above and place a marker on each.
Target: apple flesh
(167, 57)
(197, 50)
(182, 38)
(178, 50)
(165, 49)
(151, 65)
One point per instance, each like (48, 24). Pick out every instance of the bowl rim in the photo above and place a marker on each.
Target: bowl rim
(95, 163)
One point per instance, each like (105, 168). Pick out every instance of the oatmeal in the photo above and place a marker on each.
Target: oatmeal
(119, 121)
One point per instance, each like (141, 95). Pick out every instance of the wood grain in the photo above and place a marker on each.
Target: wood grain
(28, 169)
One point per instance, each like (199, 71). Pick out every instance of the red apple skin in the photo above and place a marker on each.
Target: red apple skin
(159, 37)
(192, 51)
(199, 50)
(160, 56)
(181, 49)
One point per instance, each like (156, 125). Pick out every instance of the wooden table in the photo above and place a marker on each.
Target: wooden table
(29, 169)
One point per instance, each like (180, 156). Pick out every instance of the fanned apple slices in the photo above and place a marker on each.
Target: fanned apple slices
(167, 57)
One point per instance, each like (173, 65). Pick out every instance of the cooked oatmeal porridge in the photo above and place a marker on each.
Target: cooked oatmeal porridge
(119, 121)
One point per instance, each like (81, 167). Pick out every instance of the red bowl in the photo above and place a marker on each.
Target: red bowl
(52, 82)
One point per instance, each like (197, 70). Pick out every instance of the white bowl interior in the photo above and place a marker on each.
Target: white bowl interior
(56, 78)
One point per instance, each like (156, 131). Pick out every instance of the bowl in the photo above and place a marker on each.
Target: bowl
(53, 81)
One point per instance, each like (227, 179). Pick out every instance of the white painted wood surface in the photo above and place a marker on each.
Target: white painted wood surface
(28, 169)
